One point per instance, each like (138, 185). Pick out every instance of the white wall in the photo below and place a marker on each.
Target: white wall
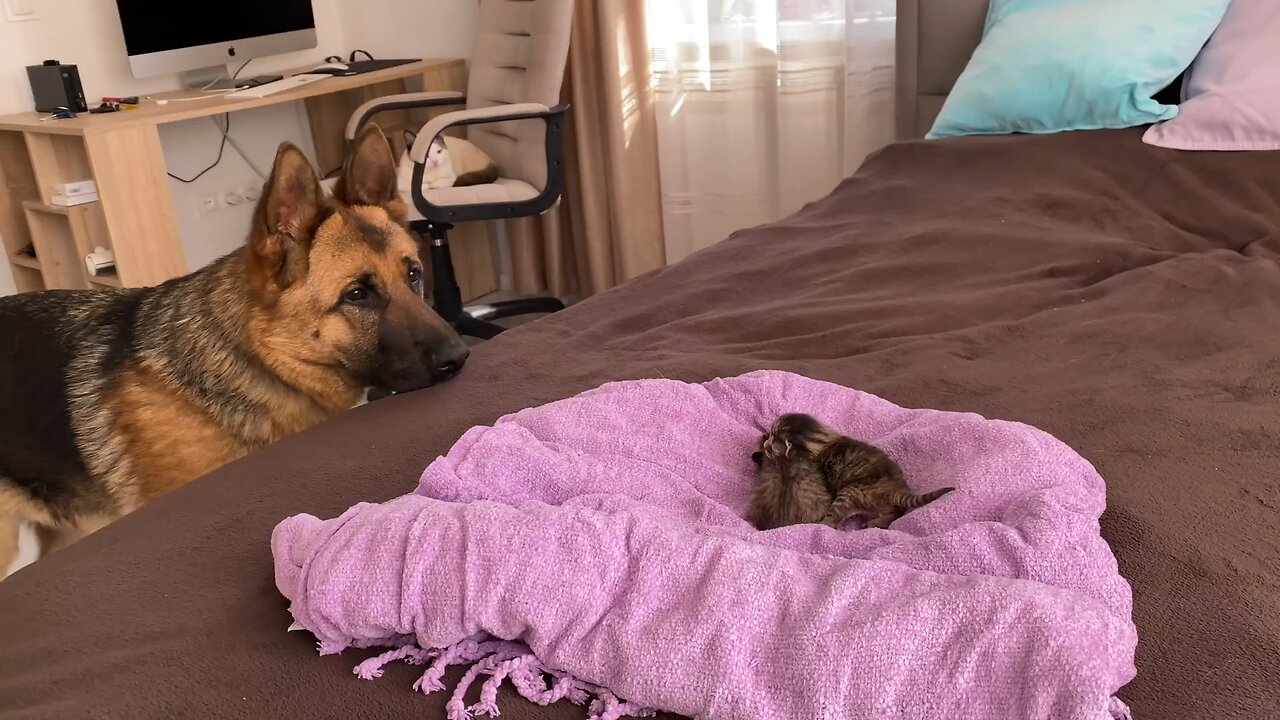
(87, 34)
(410, 28)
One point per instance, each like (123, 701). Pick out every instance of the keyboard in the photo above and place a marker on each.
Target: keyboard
(271, 88)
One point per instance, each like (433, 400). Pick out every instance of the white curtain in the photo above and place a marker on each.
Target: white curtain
(763, 106)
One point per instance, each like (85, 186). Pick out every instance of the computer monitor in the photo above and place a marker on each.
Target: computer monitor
(166, 36)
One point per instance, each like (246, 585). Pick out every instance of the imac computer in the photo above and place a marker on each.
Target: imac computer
(168, 36)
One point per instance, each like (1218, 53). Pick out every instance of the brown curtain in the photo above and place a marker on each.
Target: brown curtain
(608, 225)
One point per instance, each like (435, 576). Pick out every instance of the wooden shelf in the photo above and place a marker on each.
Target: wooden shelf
(27, 279)
(64, 211)
(17, 183)
(37, 206)
(106, 280)
(25, 261)
(61, 265)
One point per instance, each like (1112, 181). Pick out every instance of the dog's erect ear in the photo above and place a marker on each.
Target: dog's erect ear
(370, 175)
(283, 221)
(409, 138)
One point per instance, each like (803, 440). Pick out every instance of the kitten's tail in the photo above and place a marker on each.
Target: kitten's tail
(908, 501)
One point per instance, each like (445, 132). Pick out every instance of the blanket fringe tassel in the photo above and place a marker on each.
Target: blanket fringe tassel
(504, 660)
(501, 660)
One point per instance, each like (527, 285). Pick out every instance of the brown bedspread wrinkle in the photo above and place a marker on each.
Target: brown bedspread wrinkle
(1122, 297)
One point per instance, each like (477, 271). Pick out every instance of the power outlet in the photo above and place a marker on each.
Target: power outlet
(221, 199)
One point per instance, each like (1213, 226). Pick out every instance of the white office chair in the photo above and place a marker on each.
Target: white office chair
(517, 68)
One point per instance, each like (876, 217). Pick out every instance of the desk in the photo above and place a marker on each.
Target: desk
(134, 215)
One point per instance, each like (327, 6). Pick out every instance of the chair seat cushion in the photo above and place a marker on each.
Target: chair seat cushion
(505, 190)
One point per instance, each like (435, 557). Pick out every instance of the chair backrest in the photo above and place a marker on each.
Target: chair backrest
(519, 56)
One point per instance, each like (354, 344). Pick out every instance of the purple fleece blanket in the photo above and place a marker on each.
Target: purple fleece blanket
(596, 546)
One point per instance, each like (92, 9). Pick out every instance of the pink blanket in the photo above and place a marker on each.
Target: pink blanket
(596, 546)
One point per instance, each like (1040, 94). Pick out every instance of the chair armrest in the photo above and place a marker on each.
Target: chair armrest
(402, 101)
(547, 196)
(496, 113)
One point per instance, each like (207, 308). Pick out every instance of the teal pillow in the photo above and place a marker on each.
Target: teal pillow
(1050, 65)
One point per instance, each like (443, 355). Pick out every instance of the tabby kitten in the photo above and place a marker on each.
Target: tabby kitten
(799, 455)
(789, 487)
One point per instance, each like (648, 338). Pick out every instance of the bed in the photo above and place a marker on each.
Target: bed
(1123, 297)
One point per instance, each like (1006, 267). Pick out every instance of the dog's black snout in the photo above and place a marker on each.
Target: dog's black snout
(449, 361)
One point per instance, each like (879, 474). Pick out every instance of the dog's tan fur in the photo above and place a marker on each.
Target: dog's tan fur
(259, 345)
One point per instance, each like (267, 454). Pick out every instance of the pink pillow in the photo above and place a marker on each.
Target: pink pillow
(1231, 97)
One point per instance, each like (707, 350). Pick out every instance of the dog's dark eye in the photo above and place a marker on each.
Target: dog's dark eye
(356, 294)
(415, 274)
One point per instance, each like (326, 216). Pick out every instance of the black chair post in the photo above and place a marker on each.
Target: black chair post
(445, 293)
(446, 296)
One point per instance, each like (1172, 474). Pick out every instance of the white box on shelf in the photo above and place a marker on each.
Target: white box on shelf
(79, 187)
(70, 201)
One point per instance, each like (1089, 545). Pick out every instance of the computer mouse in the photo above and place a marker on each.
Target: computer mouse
(333, 66)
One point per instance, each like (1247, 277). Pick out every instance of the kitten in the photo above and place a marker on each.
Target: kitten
(789, 489)
(859, 479)
(451, 162)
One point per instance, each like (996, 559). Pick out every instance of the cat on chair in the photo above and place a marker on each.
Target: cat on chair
(451, 162)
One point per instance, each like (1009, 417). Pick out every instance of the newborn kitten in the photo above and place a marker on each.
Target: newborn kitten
(789, 487)
(859, 479)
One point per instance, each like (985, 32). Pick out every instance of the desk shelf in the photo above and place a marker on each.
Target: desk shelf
(134, 216)
(17, 185)
(110, 280)
(25, 260)
(30, 168)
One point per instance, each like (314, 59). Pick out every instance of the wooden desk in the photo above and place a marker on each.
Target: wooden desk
(134, 215)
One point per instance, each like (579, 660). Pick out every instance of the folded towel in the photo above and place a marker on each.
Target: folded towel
(596, 546)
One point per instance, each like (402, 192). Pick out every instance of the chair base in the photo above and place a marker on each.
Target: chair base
(474, 320)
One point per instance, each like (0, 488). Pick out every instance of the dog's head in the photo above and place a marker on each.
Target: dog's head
(338, 283)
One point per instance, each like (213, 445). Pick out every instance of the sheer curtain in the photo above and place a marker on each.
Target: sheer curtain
(763, 106)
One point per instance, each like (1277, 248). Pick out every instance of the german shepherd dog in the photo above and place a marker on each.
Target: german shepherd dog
(112, 398)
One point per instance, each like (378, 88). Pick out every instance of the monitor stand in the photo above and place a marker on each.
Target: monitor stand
(217, 78)
(209, 78)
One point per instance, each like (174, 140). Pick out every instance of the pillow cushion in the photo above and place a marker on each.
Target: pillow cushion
(1232, 94)
(1051, 65)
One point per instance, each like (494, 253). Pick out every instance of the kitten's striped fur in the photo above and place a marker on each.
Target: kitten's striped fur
(809, 473)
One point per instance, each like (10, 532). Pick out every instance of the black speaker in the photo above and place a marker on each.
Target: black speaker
(54, 85)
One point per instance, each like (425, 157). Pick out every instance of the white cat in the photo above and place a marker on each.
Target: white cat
(451, 162)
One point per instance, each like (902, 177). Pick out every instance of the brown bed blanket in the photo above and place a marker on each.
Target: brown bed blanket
(1122, 297)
